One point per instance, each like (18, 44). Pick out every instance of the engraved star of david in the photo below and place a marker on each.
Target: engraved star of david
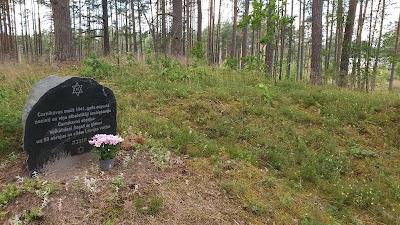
(81, 149)
(77, 89)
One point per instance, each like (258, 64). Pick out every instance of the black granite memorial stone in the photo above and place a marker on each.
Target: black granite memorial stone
(62, 114)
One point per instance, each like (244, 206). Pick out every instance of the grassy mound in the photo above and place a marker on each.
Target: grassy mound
(289, 152)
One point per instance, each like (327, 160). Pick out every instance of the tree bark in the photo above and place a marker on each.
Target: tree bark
(370, 40)
(152, 27)
(187, 33)
(234, 25)
(244, 33)
(269, 52)
(15, 36)
(106, 38)
(299, 43)
(140, 30)
(302, 41)
(27, 35)
(283, 32)
(316, 38)
(252, 41)
(3, 46)
(210, 33)
(22, 31)
(80, 54)
(358, 44)
(176, 44)
(339, 38)
(11, 33)
(289, 56)
(116, 30)
(326, 40)
(135, 48)
(126, 33)
(62, 30)
(163, 29)
(89, 29)
(199, 20)
(218, 39)
(328, 54)
(40, 33)
(375, 68)
(396, 48)
(348, 34)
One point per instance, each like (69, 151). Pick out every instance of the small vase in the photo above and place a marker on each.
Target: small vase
(107, 164)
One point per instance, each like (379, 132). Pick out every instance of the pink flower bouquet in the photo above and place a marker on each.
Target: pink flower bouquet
(107, 145)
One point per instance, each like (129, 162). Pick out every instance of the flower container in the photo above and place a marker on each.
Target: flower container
(107, 164)
(106, 147)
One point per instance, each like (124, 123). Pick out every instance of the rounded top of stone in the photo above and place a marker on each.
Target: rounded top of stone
(40, 88)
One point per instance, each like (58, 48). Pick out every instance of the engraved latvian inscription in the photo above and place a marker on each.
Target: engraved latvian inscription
(62, 114)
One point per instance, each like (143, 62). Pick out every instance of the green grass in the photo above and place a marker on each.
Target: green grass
(339, 144)
(149, 205)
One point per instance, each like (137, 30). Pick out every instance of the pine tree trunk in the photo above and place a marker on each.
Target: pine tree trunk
(339, 38)
(299, 43)
(40, 33)
(116, 30)
(126, 28)
(234, 25)
(252, 42)
(80, 32)
(302, 42)
(157, 30)
(396, 48)
(355, 53)
(276, 56)
(135, 48)
(15, 35)
(289, 56)
(217, 41)
(283, 29)
(375, 68)
(358, 47)
(269, 52)
(11, 33)
(2, 37)
(316, 38)
(89, 30)
(62, 30)
(187, 33)
(210, 33)
(35, 36)
(326, 40)
(348, 34)
(140, 30)
(199, 20)
(328, 53)
(176, 43)
(373, 35)
(26, 24)
(163, 29)
(258, 45)
(106, 38)
(22, 30)
(244, 33)
(370, 40)
(212, 50)
(277, 39)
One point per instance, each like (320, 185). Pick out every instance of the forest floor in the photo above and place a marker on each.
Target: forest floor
(222, 147)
